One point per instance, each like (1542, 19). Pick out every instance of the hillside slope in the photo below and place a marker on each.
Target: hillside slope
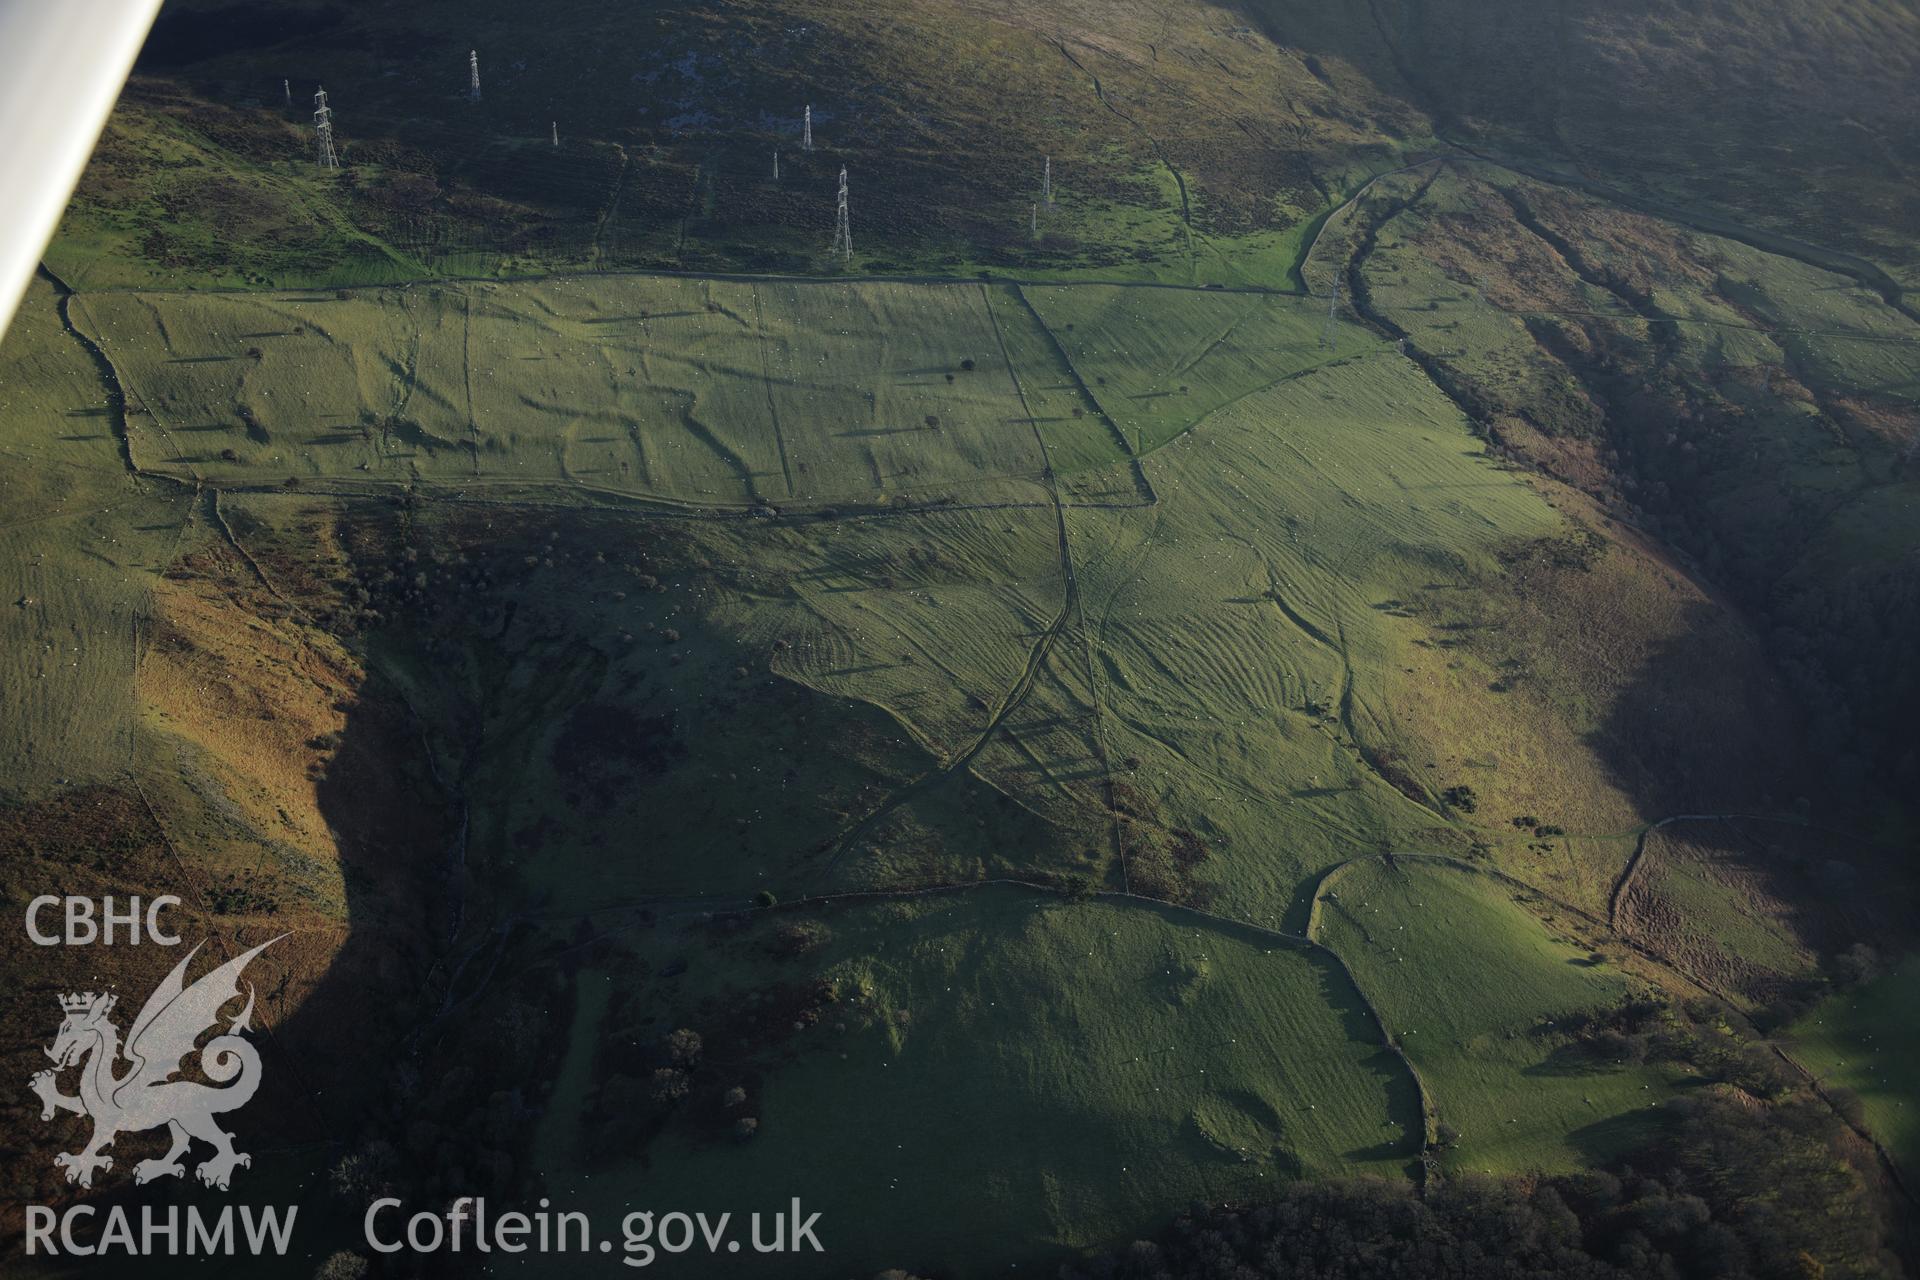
(1325, 575)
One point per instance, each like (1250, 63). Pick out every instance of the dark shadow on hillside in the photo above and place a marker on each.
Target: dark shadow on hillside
(1703, 725)
(570, 749)
(1576, 1059)
(1604, 1142)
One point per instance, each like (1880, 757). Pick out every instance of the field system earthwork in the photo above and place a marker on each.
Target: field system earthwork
(1069, 735)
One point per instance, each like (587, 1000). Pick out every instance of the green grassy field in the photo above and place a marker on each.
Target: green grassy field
(709, 392)
(1864, 1041)
(1266, 673)
(1289, 666)
(536, 575)
(997, 1071)
(1152, 692)
(1698, 893)
(597, 595)
(80, 544)
(1470, 982)
(685, 600)
(1158, 361)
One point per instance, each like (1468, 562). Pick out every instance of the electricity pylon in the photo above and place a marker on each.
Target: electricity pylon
(842, 226)
(1329, 336)
(323, 131)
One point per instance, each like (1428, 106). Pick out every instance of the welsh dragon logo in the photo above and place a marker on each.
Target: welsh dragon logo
(146, 1095)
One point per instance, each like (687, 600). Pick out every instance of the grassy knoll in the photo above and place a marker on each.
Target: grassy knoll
(534, 575)
(1470, 982)
(1128, 1055)
(601, 607)
(1864, 1041)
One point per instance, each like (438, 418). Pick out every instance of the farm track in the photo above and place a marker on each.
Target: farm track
(1037, 655)
(1073, 600)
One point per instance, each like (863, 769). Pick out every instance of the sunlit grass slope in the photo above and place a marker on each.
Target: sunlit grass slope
(1470, 983)
(997, 1070)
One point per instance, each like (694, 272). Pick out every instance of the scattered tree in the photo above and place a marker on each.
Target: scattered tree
(668, 1086)
(342, 1266)
(684, 1047)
